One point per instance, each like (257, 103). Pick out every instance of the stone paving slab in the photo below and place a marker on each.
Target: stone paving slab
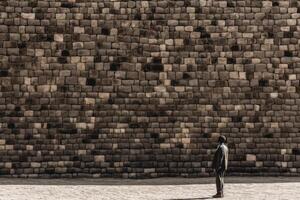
(236, 188)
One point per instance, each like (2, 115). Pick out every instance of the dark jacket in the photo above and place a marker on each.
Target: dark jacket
(220, 161)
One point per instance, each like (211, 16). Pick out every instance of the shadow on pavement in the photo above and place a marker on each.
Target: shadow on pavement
(153, 181)
(192, 198)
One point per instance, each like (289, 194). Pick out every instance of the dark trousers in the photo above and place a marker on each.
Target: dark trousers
(220, 181)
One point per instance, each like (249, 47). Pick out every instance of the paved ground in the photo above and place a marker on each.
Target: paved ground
(242, 188)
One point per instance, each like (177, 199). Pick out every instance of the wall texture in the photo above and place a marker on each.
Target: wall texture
(144, 88)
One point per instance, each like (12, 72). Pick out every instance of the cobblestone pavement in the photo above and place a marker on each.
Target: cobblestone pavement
(243, 188)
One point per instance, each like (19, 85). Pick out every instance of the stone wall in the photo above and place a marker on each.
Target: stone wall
(143, 88)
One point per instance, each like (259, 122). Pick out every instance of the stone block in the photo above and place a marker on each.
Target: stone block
(58, 37)
(250, 157)
(28, 15)
(99, 158)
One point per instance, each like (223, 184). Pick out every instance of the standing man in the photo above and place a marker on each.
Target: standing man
(220, 165)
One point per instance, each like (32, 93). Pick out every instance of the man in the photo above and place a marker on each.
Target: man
(220, 165)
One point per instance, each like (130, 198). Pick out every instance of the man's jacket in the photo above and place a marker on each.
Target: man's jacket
(220, 161)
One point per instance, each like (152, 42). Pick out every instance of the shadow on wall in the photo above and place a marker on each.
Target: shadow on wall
(154, 181)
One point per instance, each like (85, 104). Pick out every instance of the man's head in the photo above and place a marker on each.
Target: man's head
(222, 139)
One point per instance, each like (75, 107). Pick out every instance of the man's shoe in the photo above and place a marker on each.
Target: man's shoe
(218, 195)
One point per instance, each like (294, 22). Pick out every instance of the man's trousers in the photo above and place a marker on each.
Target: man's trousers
(220, 181)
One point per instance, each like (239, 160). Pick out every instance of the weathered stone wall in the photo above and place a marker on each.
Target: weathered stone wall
(143, 88)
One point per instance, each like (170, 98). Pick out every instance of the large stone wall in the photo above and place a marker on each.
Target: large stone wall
(144, 88)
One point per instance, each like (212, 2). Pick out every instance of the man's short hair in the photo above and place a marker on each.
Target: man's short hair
(222, 139)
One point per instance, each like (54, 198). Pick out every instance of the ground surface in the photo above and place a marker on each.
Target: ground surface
(243, 188)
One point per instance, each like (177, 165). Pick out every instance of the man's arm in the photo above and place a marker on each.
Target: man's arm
(221, 160)
(216, 159)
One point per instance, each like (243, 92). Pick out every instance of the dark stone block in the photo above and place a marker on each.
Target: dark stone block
(143, 33)
(114, 66)
(291, 66)
(86, 141)
(67, 130)
(50, 37)
(134, 125)
(202, 67)
(296, 151)
(209, 48)
(155, 67)
(153, 9)
(214, 61)
(4, 171)
(216, 107)
(172, 119)
(179, 145)
(270, 34)
(235, 48)
(187, 3)
(94, 136)
(231, 61)
(137, 16)
(156, 60)
(50, 136)
(122, 59)
(198, 10)
(237, 119)
(54, 125)
(110, 101)
(268, 135)
(177, 60)
(3, 73)
(62, 60)
(10, 141)
(220, 83)
(255, 119)
(154, 135)
(200, 29)
(50, 171)
(205, 35)
(11, 125)
(263, 82)
(294, 3)
(186, 76)
(230, 4)
(68, 5)
(187, 41)
(288, 53)
(62, 88)
(32, 3)
(175, 82)
(91, 81)
(288, 34)
(214, 22)
(65, 53)
(156, 113)
(22, 45)
(275, 3)
(114, 11)
(28, 136)
(159, 140)
(97, 58)
(105, 31)
(246, 61)
(137, 125)
(39, 16)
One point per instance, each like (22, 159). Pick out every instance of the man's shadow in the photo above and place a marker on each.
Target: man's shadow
(192, 198)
